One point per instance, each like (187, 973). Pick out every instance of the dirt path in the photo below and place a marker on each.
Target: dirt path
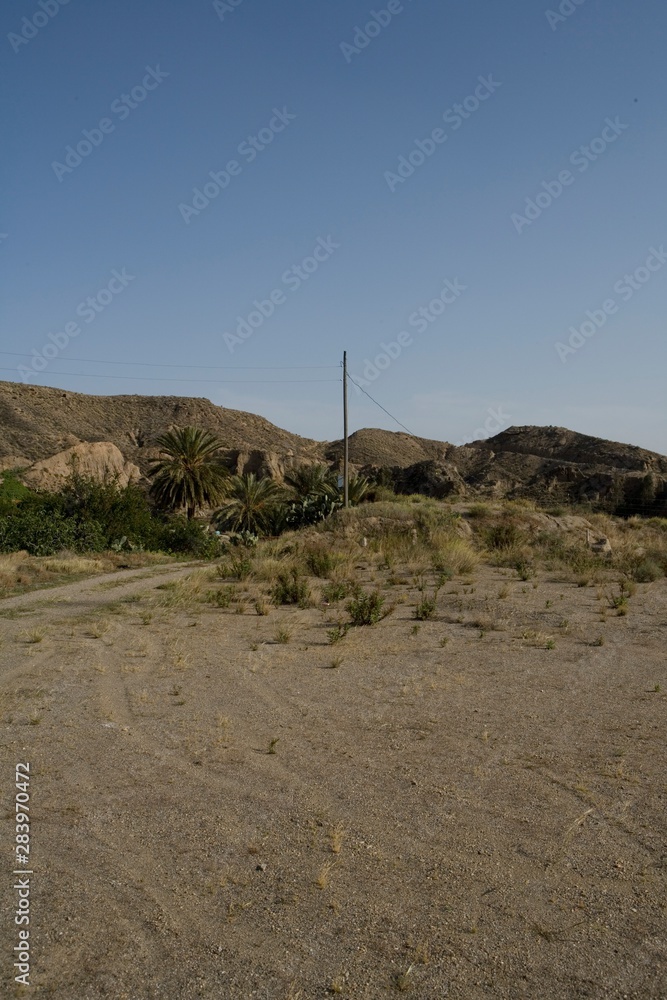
(458, 811)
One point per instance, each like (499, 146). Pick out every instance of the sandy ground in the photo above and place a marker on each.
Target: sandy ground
(481, 818)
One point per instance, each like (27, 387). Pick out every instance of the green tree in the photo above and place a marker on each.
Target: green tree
(312, 481)
(357, 488)
(250, 504)
(188, 475)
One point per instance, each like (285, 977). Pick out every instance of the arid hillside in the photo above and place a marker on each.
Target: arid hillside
(42, 428)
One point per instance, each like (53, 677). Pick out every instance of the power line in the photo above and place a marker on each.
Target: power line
(160, 364)
(213, 381)
(381, 407)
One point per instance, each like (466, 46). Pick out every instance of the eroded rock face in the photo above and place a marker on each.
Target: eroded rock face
(13, 462)
(96, 459)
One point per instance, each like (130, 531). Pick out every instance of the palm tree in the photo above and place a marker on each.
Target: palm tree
(357, 488)
(250, 504)
(312, 481)
(187, 476)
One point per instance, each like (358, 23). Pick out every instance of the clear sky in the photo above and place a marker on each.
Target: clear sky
(365, 155)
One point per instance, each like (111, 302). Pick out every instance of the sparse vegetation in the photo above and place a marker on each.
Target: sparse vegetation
(366, 608)
(291, 588)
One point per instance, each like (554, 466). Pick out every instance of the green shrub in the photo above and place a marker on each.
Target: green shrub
(221, 598)
(240, 567)
(320, 562)
(291, 588)
(426, 607)
(336, 591)
(337, 633)
(366, 608)
(647, 571)
(503, 536)
(524, 569)
(37, 534)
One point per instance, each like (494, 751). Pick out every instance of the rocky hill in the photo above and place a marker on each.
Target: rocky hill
(42, 429)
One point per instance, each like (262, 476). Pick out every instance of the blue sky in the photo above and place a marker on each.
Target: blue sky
(170, 93)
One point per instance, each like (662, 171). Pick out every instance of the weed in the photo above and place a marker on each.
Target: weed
(401, 980)
(550, 644)
(262, 607)
(221, 598)
(336, 662)
(98, 629)
(272, 746)
(444, 641)
(241, 567)
(647, 571)
(320, 562)
(336, 590)
(36, 635)
(366, 608)
(524, 570)
(322, 880)
(599, 641)
(291, 588)
(415, 629)
(282, 635)
(427, 606)
(503, 592)
(337, 633)
(503, 536)
(336, 838)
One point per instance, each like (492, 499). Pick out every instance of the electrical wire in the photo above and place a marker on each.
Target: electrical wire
(395, 419)
(160, 364)
(213, 381)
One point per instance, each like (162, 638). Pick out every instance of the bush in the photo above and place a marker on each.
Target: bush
(426, 607)
(337, 590)
(366, 608)
(320, 562)
(36, 534)
(179, 535)
(291, 588)
(503, 536)
(241, 568)
(221, 598)
(647, 571)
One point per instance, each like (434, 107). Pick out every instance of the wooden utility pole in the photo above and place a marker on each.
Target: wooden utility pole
(346, 500)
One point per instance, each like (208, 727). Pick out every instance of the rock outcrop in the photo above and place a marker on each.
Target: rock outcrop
(44, 428)
(97, 460)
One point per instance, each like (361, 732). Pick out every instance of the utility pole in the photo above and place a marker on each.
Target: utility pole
(346, 500)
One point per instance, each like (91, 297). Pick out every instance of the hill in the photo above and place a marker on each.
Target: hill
(42, 428)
